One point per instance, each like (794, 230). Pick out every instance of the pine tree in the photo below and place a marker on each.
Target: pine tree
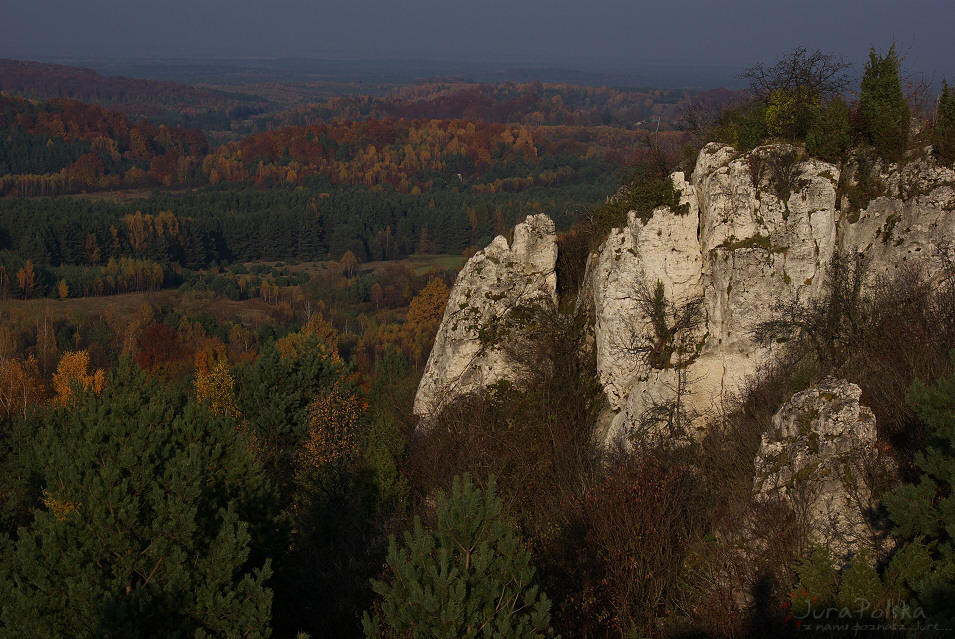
(471, 577)
(883, 106)
(824, 595)
(926, 510)
(943, 139)
(153, 510)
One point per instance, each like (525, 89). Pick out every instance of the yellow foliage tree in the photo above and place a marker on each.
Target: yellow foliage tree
(349, 264)
(294, 344)
(26, 278)
(214, 384)
(74, 368)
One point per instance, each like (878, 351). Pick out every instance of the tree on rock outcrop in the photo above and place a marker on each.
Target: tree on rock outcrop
(943, 139)
(795, 89)
(471, 577)
(883, 106)
(831, 134)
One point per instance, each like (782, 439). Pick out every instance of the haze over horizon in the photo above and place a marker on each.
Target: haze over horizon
(604, 33)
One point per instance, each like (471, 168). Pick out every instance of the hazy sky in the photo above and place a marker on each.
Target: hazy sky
(532, 32)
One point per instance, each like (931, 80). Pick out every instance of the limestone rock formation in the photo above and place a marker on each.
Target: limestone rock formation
(816, 458)
(911, 223)
(468, 351)
(757, 234)
(761, 231)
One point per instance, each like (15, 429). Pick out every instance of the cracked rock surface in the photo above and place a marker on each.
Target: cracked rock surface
(468, 353)
(757, 234)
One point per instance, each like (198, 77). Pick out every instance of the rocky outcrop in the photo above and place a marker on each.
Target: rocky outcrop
(469, 351)
(676, 295)
(910, 224)
(816, 459)
(760, 231)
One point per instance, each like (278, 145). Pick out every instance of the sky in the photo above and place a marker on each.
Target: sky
(566, 33)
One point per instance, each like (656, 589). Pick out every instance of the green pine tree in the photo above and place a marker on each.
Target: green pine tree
(153, 522)
(926, 510)
(823, 595)
(943, 139)
(471, 577)
(883, 105)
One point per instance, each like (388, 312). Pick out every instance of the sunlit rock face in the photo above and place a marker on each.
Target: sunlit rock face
(754, 233)
(468, 353)
(816, 459)
(747, 245)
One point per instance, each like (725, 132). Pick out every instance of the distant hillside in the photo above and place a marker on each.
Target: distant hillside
(166, 102)
(61, 146)
(507, 103)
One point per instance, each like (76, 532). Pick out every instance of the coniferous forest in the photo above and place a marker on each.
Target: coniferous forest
(216, 304)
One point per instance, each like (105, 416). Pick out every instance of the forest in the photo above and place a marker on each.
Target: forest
(210, 346)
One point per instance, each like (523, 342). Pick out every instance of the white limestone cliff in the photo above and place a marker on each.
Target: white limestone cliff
(744, 248)
(466, 354)
(758, 233)
(908, 226)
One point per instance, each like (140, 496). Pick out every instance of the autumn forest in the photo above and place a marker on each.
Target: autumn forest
(217, 301)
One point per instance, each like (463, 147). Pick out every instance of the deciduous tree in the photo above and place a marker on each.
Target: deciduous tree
(73, 371)
(795, 88)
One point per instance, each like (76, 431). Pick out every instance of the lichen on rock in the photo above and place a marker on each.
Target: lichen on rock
(818, 458)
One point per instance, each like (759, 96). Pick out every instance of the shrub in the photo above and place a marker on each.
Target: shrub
(830, 135)
(743, 126)
(625, 545)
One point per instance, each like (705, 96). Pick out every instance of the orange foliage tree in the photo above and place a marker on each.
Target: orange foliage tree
(159, 345)
(424, 317)
(74, 371)
(333, 420)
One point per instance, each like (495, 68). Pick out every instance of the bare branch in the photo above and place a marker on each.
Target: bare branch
(817, 74)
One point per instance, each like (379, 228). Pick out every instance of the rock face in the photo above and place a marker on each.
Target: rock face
(467, 353)
(816, 458)
(758, 233)
(761, 230)
(910, 224)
